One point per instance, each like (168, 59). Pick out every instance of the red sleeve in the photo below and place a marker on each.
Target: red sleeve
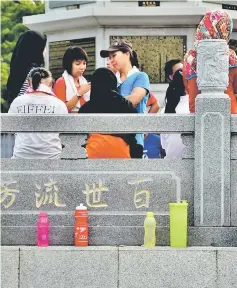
(60, 89)
(192, 91)
(151, 100)
(234, 79)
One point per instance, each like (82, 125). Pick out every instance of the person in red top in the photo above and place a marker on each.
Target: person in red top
(152, 103)
(72, 88)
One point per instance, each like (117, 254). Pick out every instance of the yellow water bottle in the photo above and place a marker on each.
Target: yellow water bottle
(178, 224)
(150, 230)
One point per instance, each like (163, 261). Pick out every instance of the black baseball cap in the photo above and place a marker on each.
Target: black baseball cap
(117, 46)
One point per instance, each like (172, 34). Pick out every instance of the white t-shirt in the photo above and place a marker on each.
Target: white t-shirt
(37, 145)
(172, 143)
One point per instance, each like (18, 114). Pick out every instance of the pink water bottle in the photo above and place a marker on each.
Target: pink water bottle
(43, 230)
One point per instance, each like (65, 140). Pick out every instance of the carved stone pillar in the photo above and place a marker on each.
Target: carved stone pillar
(212, 136)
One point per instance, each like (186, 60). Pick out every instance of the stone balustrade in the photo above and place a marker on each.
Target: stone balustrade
(119, 192)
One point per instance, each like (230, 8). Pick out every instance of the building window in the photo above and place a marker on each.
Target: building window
(57, 50)
(154, 51)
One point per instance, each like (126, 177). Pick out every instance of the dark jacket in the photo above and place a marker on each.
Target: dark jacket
(175, 90)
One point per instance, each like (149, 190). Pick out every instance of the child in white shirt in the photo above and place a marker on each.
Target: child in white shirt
(38, 99)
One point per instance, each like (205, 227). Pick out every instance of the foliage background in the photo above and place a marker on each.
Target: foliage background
(11, 28)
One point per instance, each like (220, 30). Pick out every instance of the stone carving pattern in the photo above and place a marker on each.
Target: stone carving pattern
(212, 65)
(188, 141)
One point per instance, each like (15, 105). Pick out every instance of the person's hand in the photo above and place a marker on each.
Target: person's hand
(84, 88)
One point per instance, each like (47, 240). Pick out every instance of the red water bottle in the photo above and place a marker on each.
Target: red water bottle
(43, 230)
(81, 226)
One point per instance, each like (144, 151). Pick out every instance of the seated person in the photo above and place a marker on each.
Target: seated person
(38, 99)
(152, 146)
(105, 99)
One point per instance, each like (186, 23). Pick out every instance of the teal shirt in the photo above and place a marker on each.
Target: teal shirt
(137, 79)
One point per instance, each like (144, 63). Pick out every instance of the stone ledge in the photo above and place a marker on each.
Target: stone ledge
(118, 248)
(78, 166)
(63, 248)
(89, 123)
(118, 267)
(169, 249)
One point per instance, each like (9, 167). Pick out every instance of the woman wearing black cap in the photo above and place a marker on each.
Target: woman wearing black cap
(134, 84)
(27, 54)
(105, 99)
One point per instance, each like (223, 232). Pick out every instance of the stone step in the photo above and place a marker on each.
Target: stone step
(118, 267)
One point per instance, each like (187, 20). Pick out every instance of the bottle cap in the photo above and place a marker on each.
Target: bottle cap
(81, 207)
(182, 203)
(150, 214)
(43, 214)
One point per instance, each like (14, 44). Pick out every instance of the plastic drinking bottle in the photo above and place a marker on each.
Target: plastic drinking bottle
(81, 226)
(150, 230)
(178, 224)
(43, 230)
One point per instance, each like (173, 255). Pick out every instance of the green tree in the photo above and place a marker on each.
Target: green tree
(12, 27)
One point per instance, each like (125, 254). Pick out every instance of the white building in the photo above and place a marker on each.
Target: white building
(158, 33)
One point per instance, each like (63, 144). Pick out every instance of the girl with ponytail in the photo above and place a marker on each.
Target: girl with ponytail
(40, 80)
(38, 99)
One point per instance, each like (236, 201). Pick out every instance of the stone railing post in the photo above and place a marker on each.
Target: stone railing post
(212, 136)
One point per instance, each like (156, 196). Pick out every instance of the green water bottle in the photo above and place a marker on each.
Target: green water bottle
(178, 224)
(150, 230)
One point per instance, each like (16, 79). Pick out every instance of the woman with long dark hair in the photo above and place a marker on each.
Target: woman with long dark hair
(176, 101)
(27, 54)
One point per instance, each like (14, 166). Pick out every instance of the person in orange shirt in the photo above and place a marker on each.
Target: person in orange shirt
(216, 24)
(72, 88)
